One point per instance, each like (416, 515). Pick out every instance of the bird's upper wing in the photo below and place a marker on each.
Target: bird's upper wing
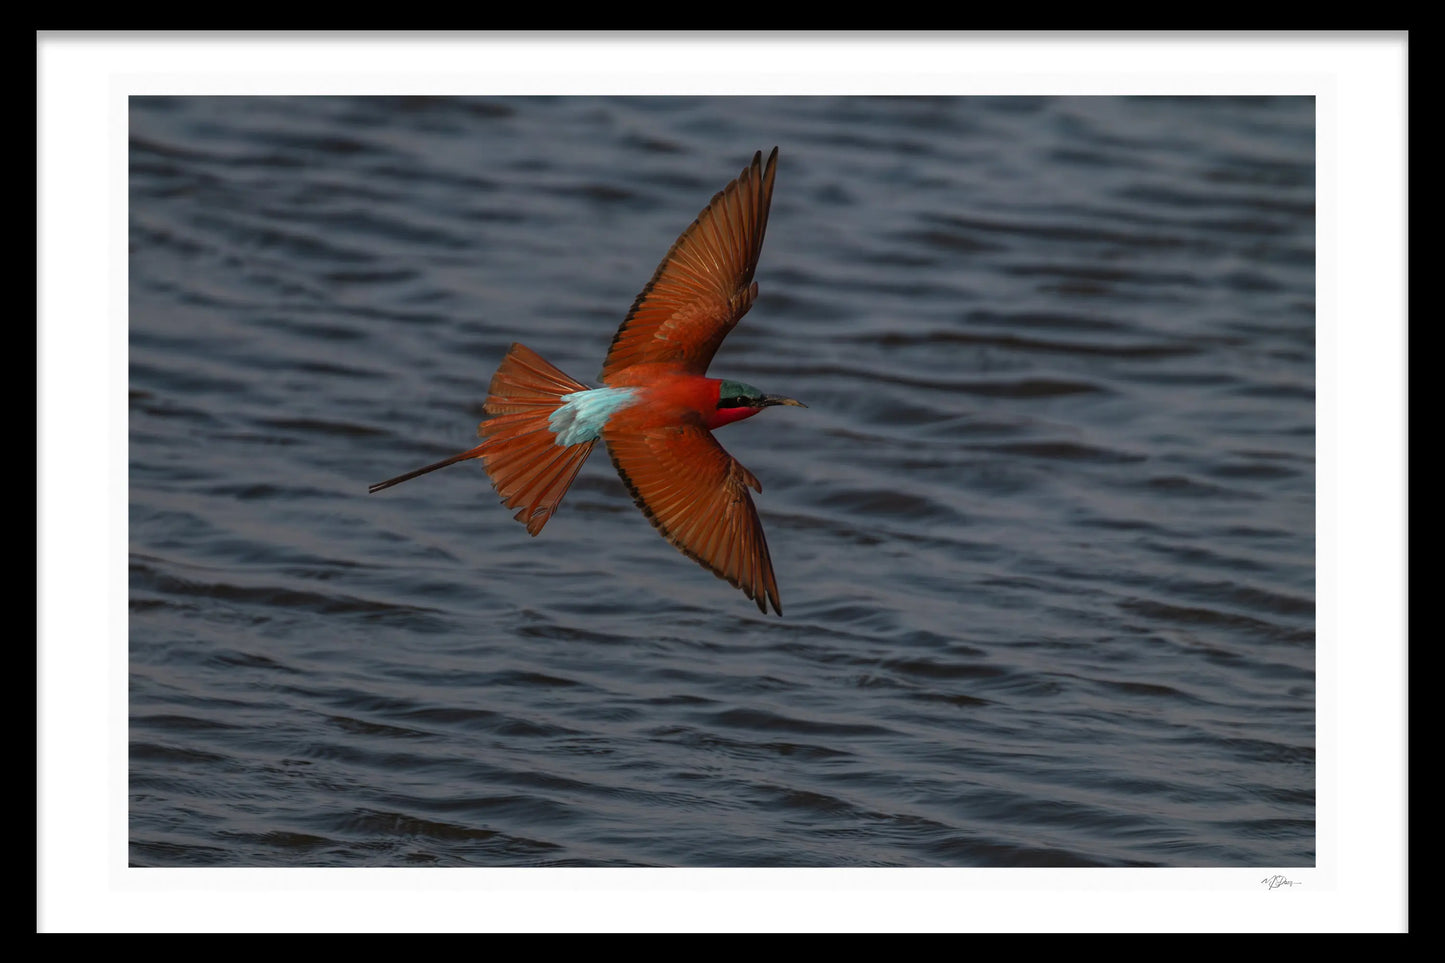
(696, 494)
(705, 283)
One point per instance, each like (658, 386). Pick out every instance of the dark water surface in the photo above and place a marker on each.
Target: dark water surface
(1044, 535)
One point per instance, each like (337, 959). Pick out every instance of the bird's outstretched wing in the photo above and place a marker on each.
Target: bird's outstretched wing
(696, 495)
(705, 283)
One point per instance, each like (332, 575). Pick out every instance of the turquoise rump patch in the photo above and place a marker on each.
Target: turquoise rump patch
(582, 414)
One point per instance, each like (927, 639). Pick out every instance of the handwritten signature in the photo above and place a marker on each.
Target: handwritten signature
(1275, 882)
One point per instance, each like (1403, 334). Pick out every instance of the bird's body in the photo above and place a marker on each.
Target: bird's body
(656, 408)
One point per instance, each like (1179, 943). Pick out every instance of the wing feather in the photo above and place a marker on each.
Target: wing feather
(696, 495)
(704, 285)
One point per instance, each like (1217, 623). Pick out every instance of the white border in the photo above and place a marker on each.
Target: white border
(83, 885)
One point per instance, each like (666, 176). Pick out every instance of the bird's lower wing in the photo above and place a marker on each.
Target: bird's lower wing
(696, 495)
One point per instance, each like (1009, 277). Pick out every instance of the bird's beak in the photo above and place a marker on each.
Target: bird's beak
(780, 400)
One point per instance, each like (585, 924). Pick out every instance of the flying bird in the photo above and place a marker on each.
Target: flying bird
(656, 409)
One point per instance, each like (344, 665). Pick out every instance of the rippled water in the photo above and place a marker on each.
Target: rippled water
(1044, 535)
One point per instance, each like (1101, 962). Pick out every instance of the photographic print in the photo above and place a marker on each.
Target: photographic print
(1015, 569)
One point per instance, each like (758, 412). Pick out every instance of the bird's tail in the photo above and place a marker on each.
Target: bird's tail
(527, 467)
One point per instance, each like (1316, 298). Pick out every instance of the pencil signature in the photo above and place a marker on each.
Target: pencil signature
(1275, 882)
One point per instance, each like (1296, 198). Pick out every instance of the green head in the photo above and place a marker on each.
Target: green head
(737, 400)
(736, 394)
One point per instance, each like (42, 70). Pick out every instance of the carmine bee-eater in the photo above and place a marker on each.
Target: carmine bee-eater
(657, 408)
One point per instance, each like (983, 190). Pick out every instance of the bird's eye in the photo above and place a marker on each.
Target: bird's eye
(735, 402)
